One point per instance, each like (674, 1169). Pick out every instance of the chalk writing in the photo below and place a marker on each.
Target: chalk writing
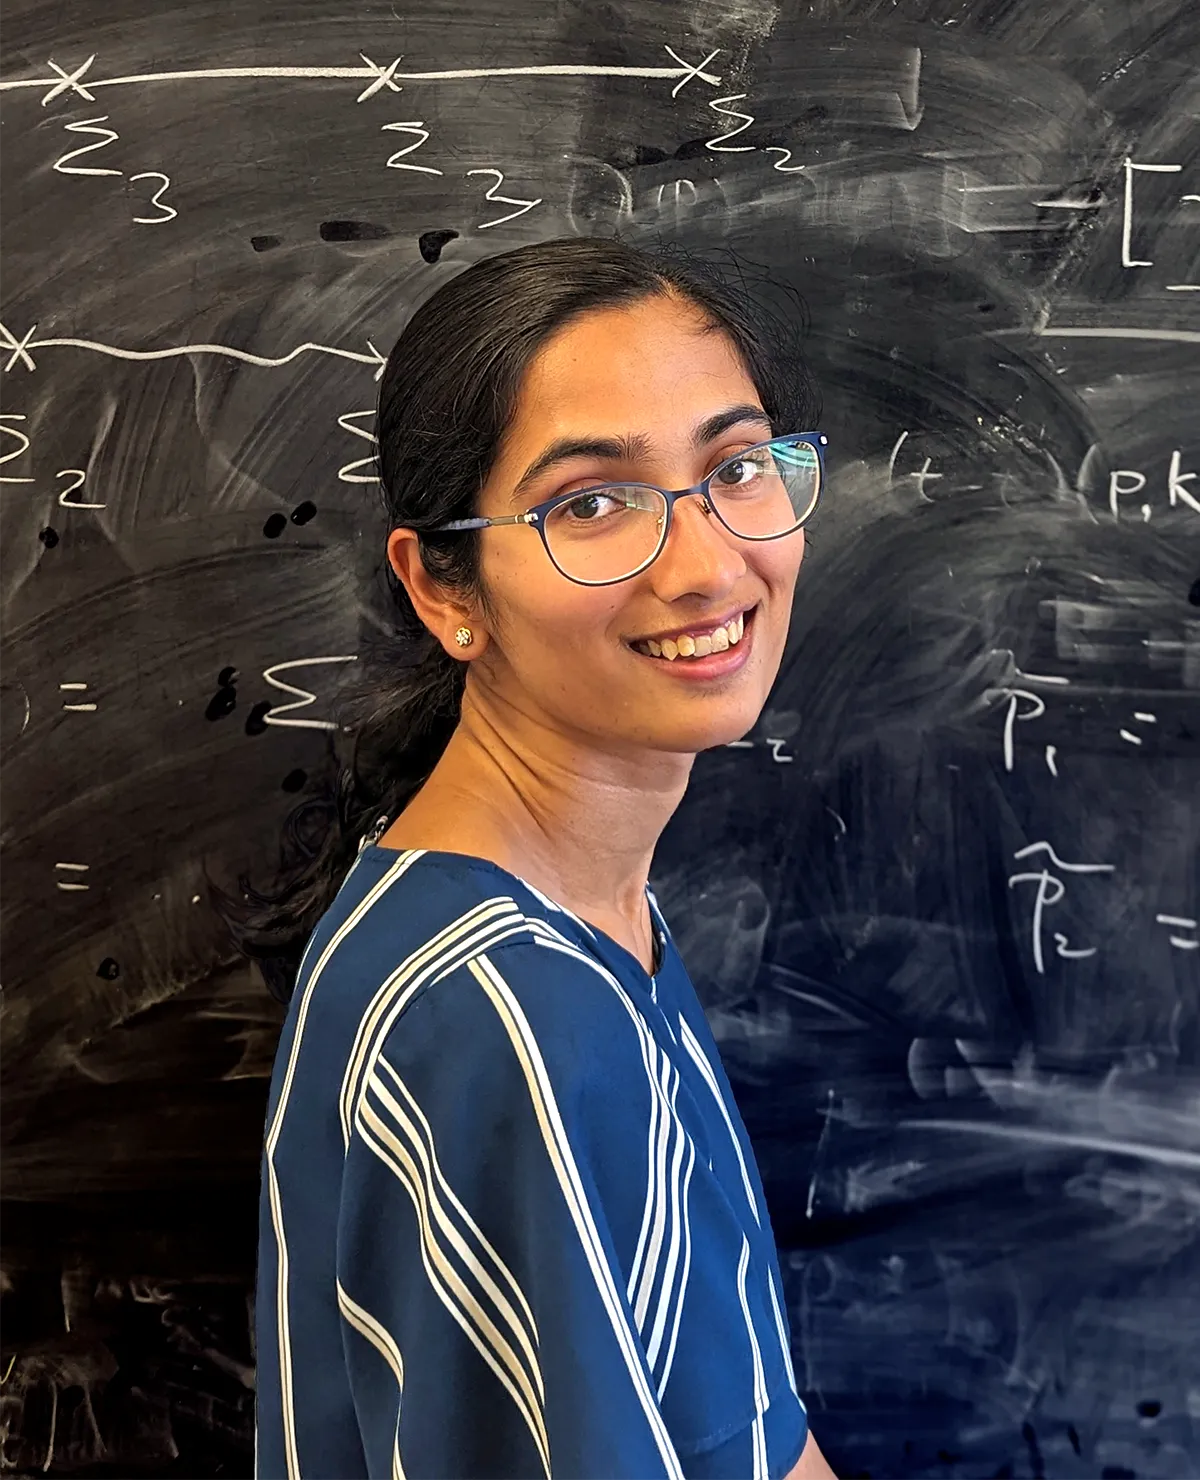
(1142, 718)
(1182, 922)
(921, 476)
(349, 473)
(376, 77)
(720, 144)
(20, 351)
(998, 207)
(505, 200)
(776, 745)
(70, 82)
(69, 688)
(397, 161)
(69, 885)
(64, 497)
(105, 137)
(168, 212)
(303, 698)
(1014, 715)
(15, 452)
(689, 71)
(1046, 881)
(87, 126)
(1124, 483)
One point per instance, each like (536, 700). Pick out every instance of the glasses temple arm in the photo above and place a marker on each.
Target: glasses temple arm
(459, 524)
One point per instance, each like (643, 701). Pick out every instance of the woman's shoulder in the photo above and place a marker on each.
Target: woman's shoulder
(407, 918)
(441, 953)
(414, 900)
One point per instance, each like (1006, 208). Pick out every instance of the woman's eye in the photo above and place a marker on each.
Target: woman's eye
(587, 505)
(738, 470)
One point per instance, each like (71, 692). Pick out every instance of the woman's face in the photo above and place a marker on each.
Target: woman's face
(563, 654)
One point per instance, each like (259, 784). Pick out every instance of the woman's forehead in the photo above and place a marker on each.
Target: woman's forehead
(648, 369)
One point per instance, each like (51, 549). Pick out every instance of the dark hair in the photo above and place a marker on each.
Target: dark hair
(447, 396)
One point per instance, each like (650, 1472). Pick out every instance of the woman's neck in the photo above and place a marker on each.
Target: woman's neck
(579, 823)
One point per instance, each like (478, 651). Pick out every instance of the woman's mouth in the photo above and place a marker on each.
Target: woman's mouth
(698, 644)
(709, 652)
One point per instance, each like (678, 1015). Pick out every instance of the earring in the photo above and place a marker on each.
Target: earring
(464, 637)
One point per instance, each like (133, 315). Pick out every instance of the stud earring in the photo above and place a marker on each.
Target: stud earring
(464, 637)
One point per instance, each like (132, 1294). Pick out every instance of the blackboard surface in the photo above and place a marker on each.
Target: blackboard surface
(941, 904)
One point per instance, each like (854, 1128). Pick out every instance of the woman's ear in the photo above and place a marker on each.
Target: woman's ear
(443, 616)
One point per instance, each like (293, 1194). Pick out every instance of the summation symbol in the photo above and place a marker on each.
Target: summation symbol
(349, 473)
(22, 438)
(396, 160)
(721, 142)
(721, 145)
(105, 137)
(79, 474)
(303, 698)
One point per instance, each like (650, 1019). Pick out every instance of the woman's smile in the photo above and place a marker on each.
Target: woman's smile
(705, 651)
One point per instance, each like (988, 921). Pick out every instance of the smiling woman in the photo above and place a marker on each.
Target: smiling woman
(511, 1219)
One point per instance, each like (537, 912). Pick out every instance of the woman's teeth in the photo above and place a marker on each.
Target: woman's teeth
(687, 646)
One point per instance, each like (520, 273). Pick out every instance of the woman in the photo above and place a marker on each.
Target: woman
(511, 1220)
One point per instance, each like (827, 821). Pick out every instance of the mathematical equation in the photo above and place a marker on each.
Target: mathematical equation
(1123, 484)
(1051, 890)
(778, 749)
(380, 81)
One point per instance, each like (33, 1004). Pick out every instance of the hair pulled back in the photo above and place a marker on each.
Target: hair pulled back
(447, 396)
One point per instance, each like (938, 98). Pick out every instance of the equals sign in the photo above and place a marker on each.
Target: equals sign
(1143, 718)
(77, 688)
(78, 868)
(1184, 924)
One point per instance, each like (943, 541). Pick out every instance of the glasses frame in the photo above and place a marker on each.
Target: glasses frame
(539, 513)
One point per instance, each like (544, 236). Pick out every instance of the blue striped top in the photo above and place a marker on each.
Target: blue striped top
(511, 1222)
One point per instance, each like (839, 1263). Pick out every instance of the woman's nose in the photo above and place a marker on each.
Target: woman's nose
(699, 547)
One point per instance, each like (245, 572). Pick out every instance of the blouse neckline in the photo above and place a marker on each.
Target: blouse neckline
(658, 931)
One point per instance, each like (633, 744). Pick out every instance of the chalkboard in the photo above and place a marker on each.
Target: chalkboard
(941, 904)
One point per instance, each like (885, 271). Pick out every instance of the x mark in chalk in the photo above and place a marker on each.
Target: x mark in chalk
(383, 77)
(8, 340)
(691, 71)
(70, 81)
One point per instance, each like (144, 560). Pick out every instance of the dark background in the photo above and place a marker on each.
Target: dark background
(984, 1176)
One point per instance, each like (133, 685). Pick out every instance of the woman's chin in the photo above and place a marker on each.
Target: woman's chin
(692, 734)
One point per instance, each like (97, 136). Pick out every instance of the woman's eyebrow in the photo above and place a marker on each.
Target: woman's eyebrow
(633, 446)
(625, 449)
(713, 426)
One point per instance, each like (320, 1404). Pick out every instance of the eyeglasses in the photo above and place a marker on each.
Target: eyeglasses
(607, 533)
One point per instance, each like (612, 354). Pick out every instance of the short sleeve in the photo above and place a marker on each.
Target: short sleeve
(490, 1230)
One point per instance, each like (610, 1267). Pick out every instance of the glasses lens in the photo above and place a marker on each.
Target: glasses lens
(606, 533)
(768, 490)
